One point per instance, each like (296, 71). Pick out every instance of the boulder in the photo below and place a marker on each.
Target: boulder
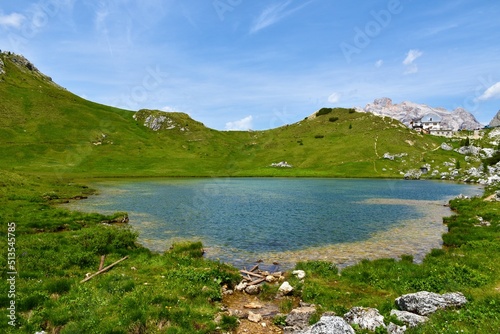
(330, 325)
(254, 317)
(241, 286)
(365, 318)
(285, 288)
(298, 318)
(299, 273)
(446, 147)
(424, 303)
(395, 329)
(252, 289)
(411, 319)
(469, 150)
(413, 174)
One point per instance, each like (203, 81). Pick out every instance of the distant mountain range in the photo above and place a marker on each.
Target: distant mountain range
(407, 112)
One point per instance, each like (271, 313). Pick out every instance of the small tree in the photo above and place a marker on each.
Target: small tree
(350, 126)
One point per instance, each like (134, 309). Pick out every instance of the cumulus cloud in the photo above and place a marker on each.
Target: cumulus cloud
(411, 56)
(379, 63)
(492, 92)
(334, 97)
(242, 124)
(13, 20)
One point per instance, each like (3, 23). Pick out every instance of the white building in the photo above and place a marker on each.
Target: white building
(431, 121)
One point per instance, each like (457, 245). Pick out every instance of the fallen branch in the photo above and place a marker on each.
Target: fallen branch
(103, 270)
(251, 273)
(257, 281)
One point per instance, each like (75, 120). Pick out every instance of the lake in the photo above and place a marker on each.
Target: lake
(284, 220)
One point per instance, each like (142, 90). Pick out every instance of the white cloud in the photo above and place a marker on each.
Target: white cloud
(334, 97)
(379, 63)
(411, 56)
(492, 92)
(12, 20)
(242, 124)
(274, 13)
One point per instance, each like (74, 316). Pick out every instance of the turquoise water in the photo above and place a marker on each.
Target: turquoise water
(240, 220)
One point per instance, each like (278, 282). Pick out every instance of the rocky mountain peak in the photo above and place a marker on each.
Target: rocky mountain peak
(408, 112)
(495, 121)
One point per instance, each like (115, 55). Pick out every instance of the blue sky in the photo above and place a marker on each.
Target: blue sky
(239, 64)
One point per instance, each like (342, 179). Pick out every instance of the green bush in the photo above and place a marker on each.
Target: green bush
(324, 111)
(319, 136)
(333, 119)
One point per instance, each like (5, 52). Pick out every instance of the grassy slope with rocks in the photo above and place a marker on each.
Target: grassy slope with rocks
(50, 137)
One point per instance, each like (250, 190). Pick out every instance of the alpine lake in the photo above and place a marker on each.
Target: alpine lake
(281, 221)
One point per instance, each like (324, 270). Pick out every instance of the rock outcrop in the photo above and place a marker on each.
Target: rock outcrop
(424, 303)
(408, 112)
(495, 121)
(24, 65)
(365, 317)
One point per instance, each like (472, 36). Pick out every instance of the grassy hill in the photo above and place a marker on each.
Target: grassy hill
(45, 130)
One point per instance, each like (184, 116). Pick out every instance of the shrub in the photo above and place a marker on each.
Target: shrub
(333, 119)
(324, 111)
(319, 136)
(352, 111)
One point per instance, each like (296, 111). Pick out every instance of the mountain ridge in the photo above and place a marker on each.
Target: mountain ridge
(407, 112)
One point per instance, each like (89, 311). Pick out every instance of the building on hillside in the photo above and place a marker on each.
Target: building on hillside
(431, 121)
(431, 124)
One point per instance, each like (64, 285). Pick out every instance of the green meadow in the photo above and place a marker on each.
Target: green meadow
(53, 143)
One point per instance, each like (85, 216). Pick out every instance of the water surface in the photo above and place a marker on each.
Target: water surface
(241, 220)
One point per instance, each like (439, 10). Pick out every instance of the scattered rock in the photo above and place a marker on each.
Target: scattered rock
(299, 273)
(395, 329)
(298, 318)
(469, 150)
(411, 319)
(446, 147)
(254, 317)
(241, 286)
(285, 288)
(252, 289)
(330, 325)
(365, 318)
(281, 164)
(413, 174)
(253, 306)
(482, 222)
(389, 156)
(424, 303)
